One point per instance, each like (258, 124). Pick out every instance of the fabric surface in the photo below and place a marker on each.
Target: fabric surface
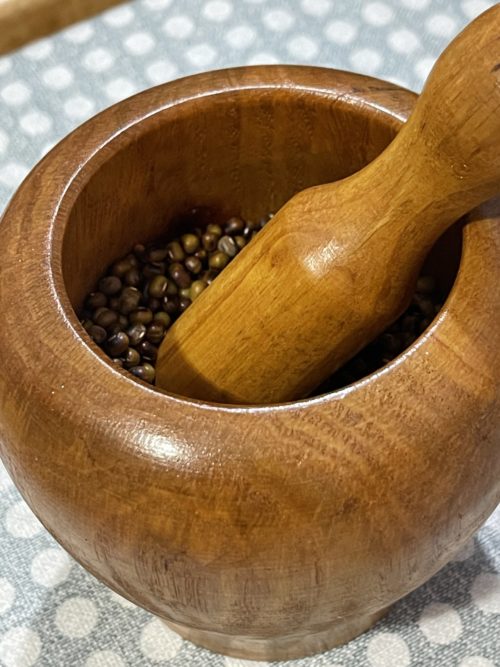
(54, 614)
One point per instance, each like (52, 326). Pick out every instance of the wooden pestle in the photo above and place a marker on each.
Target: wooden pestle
(338, 262)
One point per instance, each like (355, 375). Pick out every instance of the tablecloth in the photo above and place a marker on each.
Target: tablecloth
(54, 614)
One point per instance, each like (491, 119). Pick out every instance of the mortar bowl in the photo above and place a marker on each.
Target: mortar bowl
(262, 532)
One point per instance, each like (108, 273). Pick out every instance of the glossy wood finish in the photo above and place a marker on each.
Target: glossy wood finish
(22, 21)
(315, 288)
(267, 532)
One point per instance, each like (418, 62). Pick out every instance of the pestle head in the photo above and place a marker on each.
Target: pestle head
(337, 263)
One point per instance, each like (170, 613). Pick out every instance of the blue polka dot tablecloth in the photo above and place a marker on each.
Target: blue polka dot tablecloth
(54, 614)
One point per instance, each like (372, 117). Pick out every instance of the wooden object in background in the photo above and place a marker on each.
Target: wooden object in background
(22, 21)
(262, 532)
(337, 264)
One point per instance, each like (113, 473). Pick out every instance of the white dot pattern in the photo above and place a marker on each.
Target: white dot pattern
(240, 662)
(160, 71)
(79, 107)
(240, 37)
(388, 650)
(378, 13)
(7, 595)
(58, 78)
(20, 647)
(156, 5)
(217, 10)
(316, 7)
(119, 17)
(302, 46)
(200, 55)
(35, 122)
(98, 60)
(79, 33)
(367, 60)
(403, 41)
(440, 623)
(263, 58)
(278, 20)
(5, 65)
(50, 567)
(179, 27)
(485, 592)
(139, 43)
(15, 94)
(158, 642)
(39, 50)
(19, 519)
(76, 617)
(341, 32)
(441, 25)
(6, 482)
(476, 661)
(51, 611)
(119, 88)
(105, 659)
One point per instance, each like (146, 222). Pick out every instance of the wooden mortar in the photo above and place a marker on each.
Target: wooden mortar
(265, 532)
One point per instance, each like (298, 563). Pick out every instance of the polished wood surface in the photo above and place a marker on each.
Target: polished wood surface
(22, 21)
(269, 532)
(315, 287)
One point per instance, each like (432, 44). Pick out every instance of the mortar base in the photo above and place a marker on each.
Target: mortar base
(279, 648)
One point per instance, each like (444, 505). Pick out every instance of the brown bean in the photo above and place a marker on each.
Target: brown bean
(105, 317)
(147, 350)
(121, 267)
(140, 252)
(234, 225)
(129, 300)
(110, 285)
(144, 372)
(157, 286)
(218, 260)
(209, 241)
(175, 252)
(216, 230)
(209, 276)
(116, 345)
(136, 332)
(96, 300)
(184, 303)
(98, 334)
(240, 242)
(190, 243)
(193, 264)
(163, 318)
(201, 255)
(196, 289)
(151, 270)
(133, 277)
(131, 358)
(228, 246)
(155, 332)
(171, 304)
(141, 315)
(157, 255)
(179, 275)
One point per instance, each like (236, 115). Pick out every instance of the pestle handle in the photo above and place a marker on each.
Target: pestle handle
(337, 263)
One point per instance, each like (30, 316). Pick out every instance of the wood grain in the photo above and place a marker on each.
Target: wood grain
(269, 532)
(338, 262)
(22, 21)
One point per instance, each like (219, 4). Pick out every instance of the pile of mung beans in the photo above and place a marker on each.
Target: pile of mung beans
(143, 293)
